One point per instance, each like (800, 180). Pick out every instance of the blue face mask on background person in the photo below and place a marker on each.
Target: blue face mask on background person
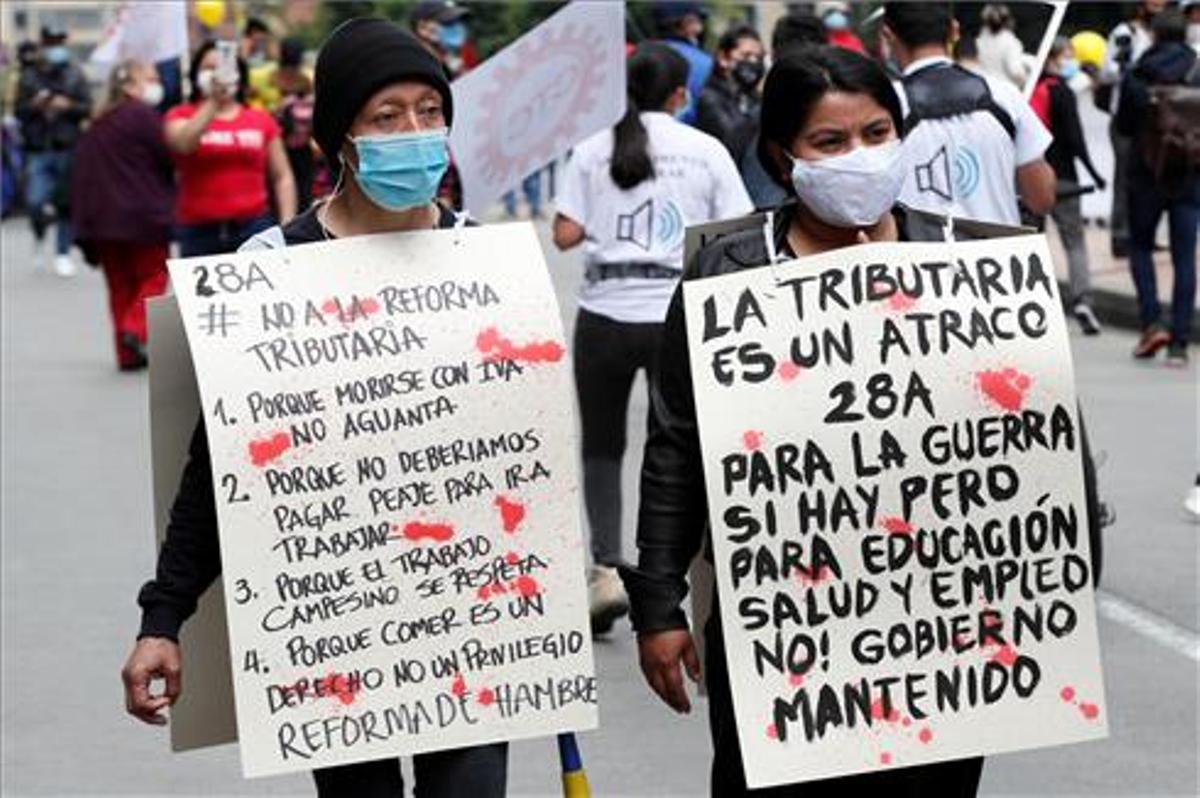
(401, 170)
(1068, 69)
(58, 54)
(836, 20)
(453, 35)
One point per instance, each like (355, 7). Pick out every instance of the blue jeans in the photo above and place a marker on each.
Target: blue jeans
(531, 187)
(49, 171)
(1147, 202)
(214, 238)
(480, 771)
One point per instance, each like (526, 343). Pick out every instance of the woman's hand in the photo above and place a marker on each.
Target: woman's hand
(152, 658)
(661, 654)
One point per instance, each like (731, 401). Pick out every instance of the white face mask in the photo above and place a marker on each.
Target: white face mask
(204, 81)
(152, 94)
(851, 190)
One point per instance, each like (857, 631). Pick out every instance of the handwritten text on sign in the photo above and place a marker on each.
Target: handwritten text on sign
(897, 506)
(393, 451)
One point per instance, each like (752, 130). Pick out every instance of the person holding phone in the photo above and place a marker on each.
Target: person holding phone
(225, 155)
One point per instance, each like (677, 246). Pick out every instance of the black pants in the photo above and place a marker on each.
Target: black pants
(955, 779)
(608, 355)
(479, 772)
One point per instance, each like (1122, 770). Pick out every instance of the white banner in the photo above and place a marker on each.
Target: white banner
(897, 507)
(393, 445)
(148, 31)
(537, 98)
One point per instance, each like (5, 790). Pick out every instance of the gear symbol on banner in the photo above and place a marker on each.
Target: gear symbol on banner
(539, 100)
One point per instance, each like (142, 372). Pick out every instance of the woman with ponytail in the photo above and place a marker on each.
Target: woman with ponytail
(628, 194)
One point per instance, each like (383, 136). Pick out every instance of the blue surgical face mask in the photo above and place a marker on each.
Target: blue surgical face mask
(453, 35)
(1068, 69)
(836, 20)
(58, 54)
(401, 170)
(681, 111)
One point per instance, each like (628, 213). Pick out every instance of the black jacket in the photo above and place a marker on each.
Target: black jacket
(728, 115)
(190, 558)
(1069, 143)
(42, 129)
(673, 514)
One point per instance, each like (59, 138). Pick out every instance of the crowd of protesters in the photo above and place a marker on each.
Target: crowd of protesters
(847, 141)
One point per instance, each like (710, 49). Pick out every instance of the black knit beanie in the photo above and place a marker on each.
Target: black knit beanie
(358, 59)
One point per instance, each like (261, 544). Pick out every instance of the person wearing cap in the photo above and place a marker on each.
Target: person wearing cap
(53, 102)
(383, 108)
(681, 25)
(441, 26)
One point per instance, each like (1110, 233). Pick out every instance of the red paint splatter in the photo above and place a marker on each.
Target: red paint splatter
(806, 577)
(1067, 694)
(885, 758)
(417, 531)
(511, 513)
(487, 696)
(512, 558)
(339, 686)
(498, 588)
(1090, 711)
(896, 525)
(354, 310)
(1006, 656)
(752, 440)
(925, 735)
(496, 347)
(772, 732)
(1005, 388)
(877, 712)
(788, 371)
(484, 593)
(459, 687)
(526, 585)
(900, 302)
(267, 449)
(906, 722)
(796, 680)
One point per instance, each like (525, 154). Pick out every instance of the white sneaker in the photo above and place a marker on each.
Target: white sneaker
(1192, 504)
(607, 599)
(64, 266)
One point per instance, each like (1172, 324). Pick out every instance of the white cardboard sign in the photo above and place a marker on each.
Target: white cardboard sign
(897, 507)
(535, 99)
(390, 424)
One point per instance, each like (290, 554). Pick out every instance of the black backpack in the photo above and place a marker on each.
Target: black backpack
(944, 90)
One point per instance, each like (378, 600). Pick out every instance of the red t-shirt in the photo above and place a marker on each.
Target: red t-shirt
(226, 177)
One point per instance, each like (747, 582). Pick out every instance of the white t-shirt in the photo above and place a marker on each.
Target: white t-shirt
(695, 181)
(967, 165)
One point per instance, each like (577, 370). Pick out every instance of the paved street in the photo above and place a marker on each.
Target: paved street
(77, 542)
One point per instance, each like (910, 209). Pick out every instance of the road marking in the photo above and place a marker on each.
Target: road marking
(1149, 624)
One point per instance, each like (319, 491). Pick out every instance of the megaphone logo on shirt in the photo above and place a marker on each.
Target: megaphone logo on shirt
(966, 172)
(934, 175)
(649, 223)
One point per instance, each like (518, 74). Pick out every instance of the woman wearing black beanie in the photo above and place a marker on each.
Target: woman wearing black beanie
(383, 109)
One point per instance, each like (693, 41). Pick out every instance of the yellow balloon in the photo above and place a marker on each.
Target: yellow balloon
(1089, 47)
(210, 12)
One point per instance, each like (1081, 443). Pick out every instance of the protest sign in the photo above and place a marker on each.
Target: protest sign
(897, 506)
(537, 98)
(391, 430)
(203, 715)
